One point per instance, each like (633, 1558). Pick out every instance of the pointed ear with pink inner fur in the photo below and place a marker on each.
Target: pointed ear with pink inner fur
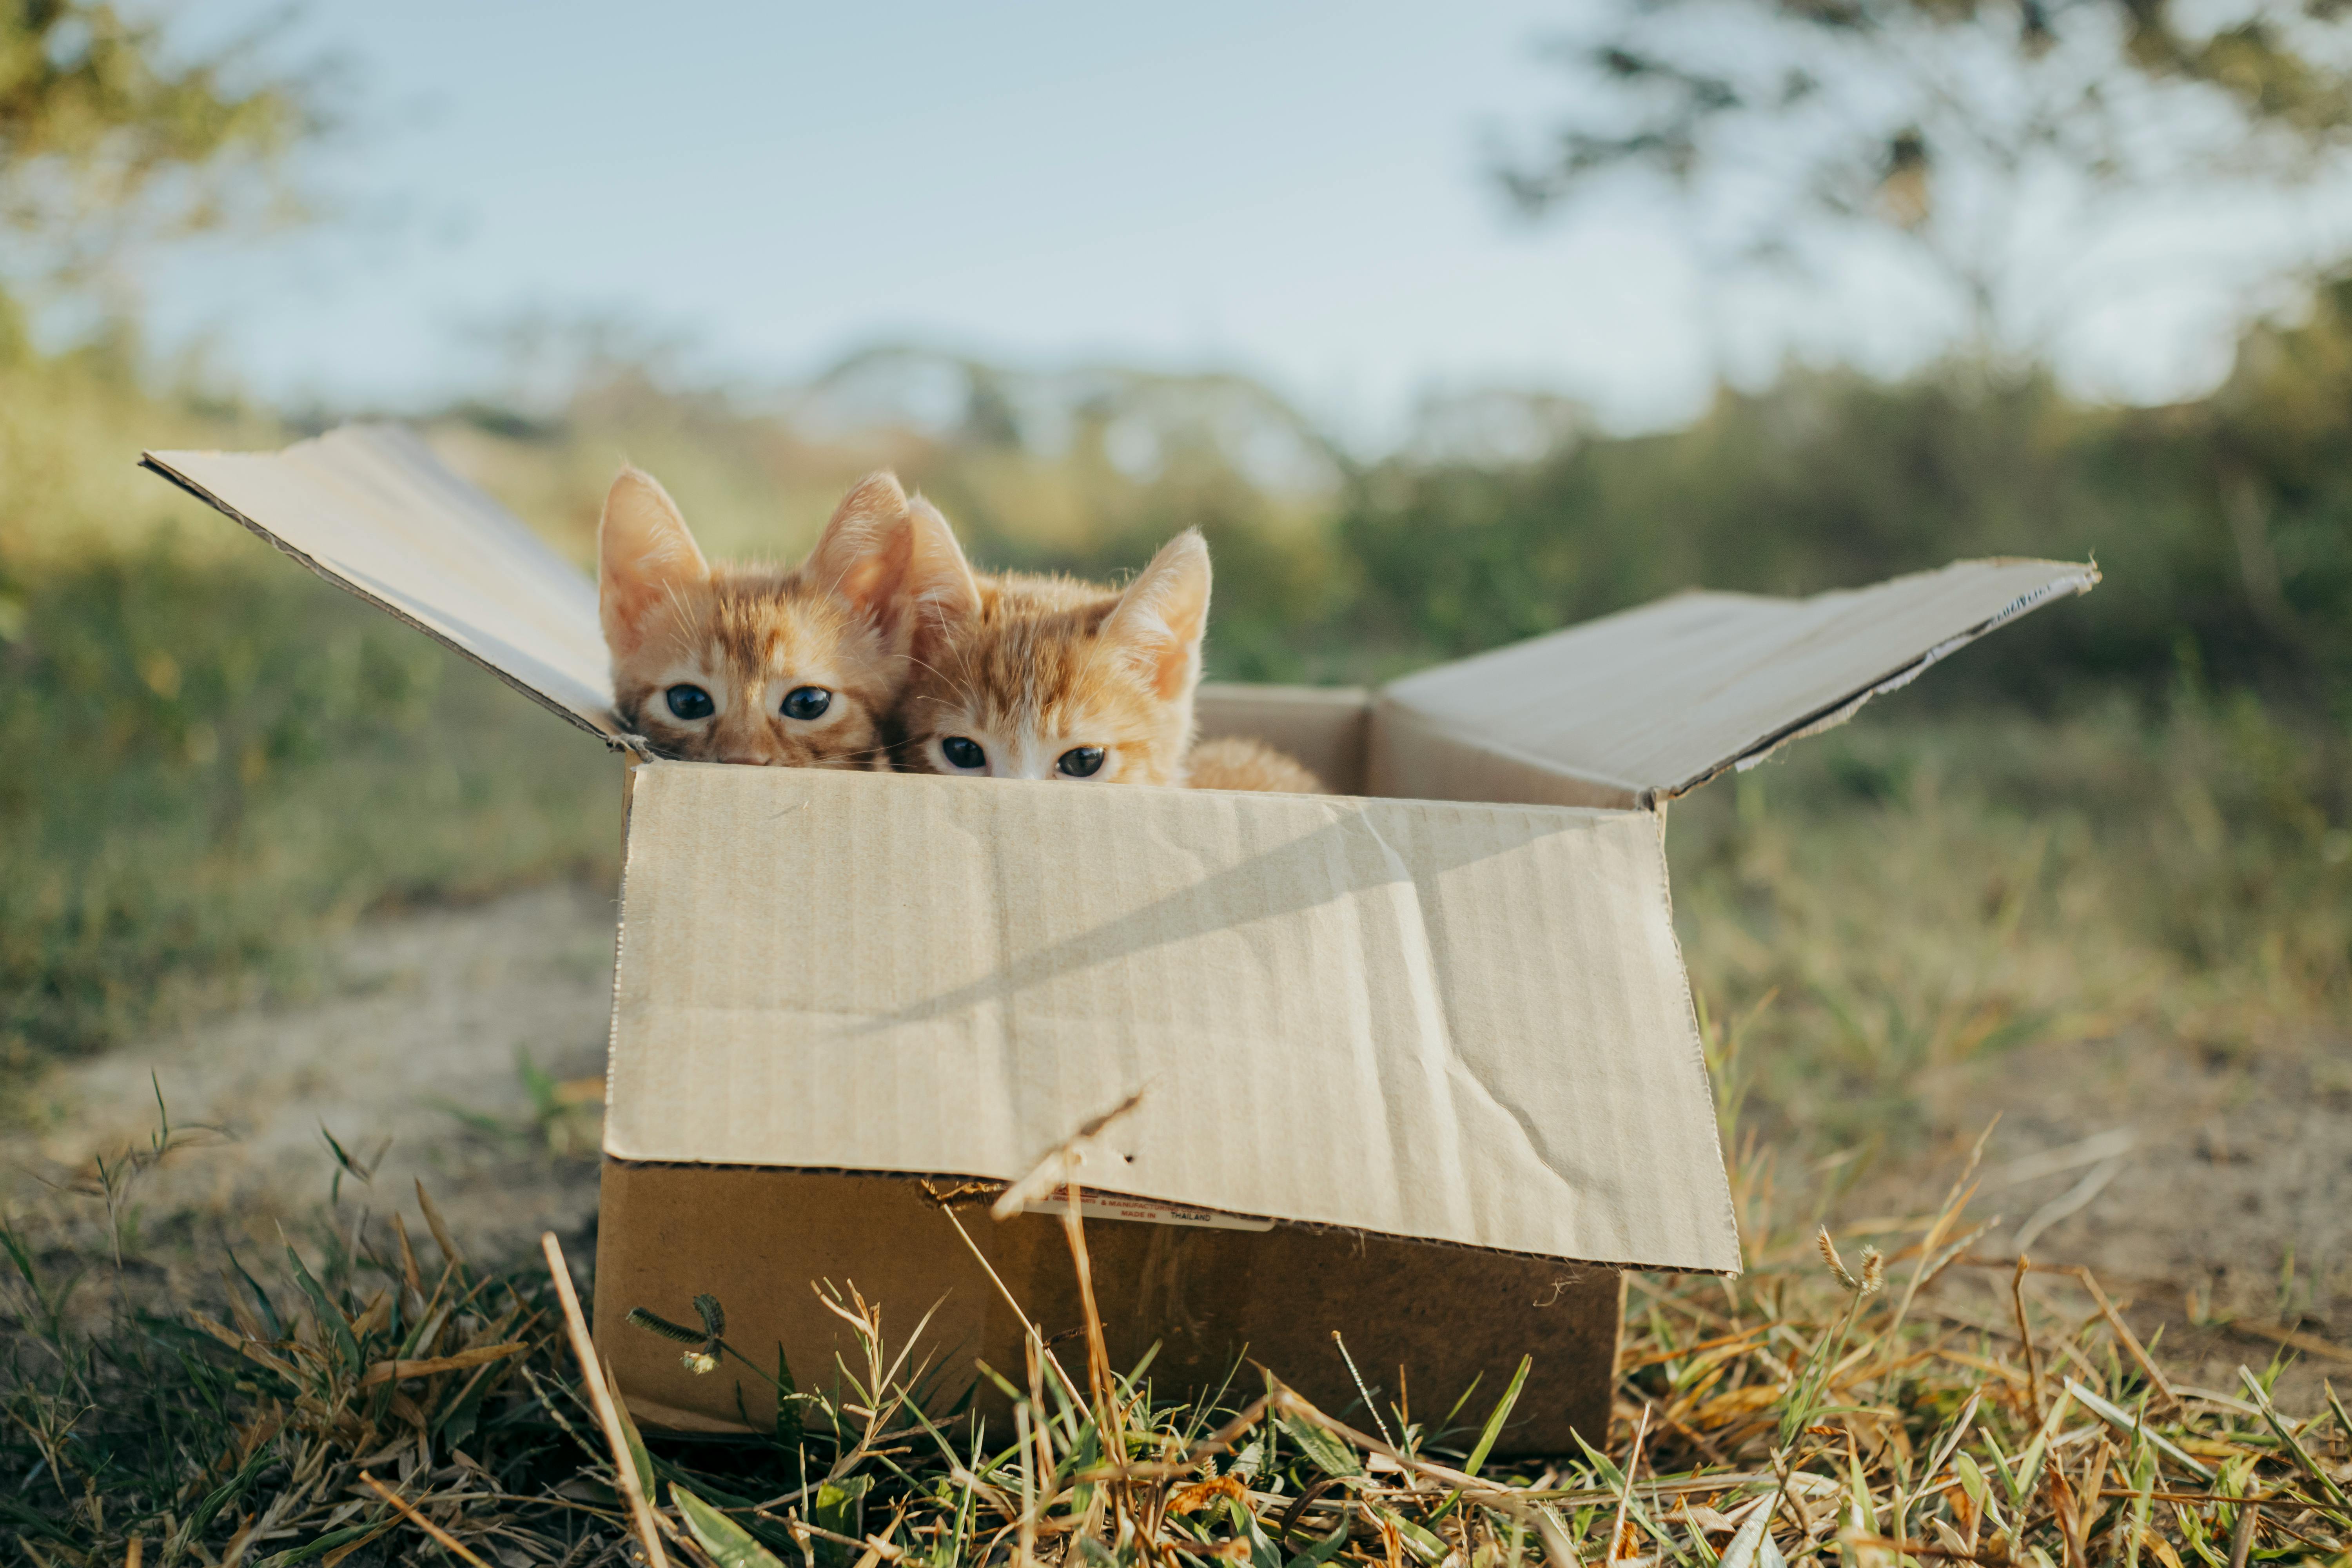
(897, 561)
(644, 553)
(941, 594)
(1160, 620)
(862, 554)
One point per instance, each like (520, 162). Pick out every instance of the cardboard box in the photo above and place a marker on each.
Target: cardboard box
(1417, 1062)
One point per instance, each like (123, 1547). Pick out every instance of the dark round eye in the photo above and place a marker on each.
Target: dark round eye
(807, 703)
(1081, 762)
(690, 702)
(963, 754)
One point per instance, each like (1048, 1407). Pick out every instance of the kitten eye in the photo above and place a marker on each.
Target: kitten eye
(807, 703)
(963, 754)
(1081, 762)
(690, 702)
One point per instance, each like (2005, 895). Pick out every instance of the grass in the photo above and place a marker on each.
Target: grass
(1919, 895)
(371, 1396)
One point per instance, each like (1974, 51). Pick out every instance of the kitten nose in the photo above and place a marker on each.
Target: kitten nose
(748, 759)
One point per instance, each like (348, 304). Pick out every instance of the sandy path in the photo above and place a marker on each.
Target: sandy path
(421, 1046)
(2212, 1194)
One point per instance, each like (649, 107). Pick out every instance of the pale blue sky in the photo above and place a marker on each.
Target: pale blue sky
(1292, 190)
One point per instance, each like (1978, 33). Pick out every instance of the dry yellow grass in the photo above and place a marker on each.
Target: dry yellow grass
(1924, 1403)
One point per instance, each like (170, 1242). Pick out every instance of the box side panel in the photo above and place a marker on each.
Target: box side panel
(1664, 696)
(1410, 758)
(1325, 727)
(757, 1239)
(1420, 1019)
(370, 509)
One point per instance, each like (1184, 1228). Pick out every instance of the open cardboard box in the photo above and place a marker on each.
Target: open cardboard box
(1417, 1061)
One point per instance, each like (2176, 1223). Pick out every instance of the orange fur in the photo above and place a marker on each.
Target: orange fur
(1033, 671)
(1247, 764)
(750, 637)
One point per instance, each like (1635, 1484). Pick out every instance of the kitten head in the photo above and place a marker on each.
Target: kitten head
(1036, 678)
(755, 664)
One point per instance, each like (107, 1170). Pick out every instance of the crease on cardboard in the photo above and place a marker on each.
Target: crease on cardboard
(1434, 1052)
(1456, 1070)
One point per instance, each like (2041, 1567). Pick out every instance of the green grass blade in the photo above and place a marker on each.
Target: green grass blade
(642, 1460)
(1327, 1453)
(1494, 1427)
(2261, 1399)
(788, 1404)
(728, 1543)
(1323, 1551)
(331, 1317)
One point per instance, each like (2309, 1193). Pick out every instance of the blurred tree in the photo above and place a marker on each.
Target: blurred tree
(1993, 136)
(111, 138)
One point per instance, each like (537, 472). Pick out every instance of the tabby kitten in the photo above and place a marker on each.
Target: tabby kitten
(1048, 678)
(757, 664)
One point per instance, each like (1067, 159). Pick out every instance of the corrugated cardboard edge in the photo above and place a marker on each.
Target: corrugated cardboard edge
(1272, 1222)
(1836, 713)
(619, 927)
(153, 464)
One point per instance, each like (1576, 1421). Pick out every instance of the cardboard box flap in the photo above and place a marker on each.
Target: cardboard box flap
(1448, 1022)
(1656, 700)
(371, 508)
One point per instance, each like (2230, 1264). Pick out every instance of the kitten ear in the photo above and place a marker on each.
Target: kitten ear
(895, 560)
(1160, 619)
(940, 591)
(644, 552)
(862, 554)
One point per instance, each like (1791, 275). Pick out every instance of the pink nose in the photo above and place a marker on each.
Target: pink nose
(744, 758)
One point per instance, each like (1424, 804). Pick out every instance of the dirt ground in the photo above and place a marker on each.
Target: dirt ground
(415, 1064)
(2211, 1194)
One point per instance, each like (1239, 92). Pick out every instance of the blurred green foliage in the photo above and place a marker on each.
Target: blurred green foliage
(2224, 527)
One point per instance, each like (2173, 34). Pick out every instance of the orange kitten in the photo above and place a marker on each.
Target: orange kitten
(1237, 764)
(758, 664)
(1046, 678)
